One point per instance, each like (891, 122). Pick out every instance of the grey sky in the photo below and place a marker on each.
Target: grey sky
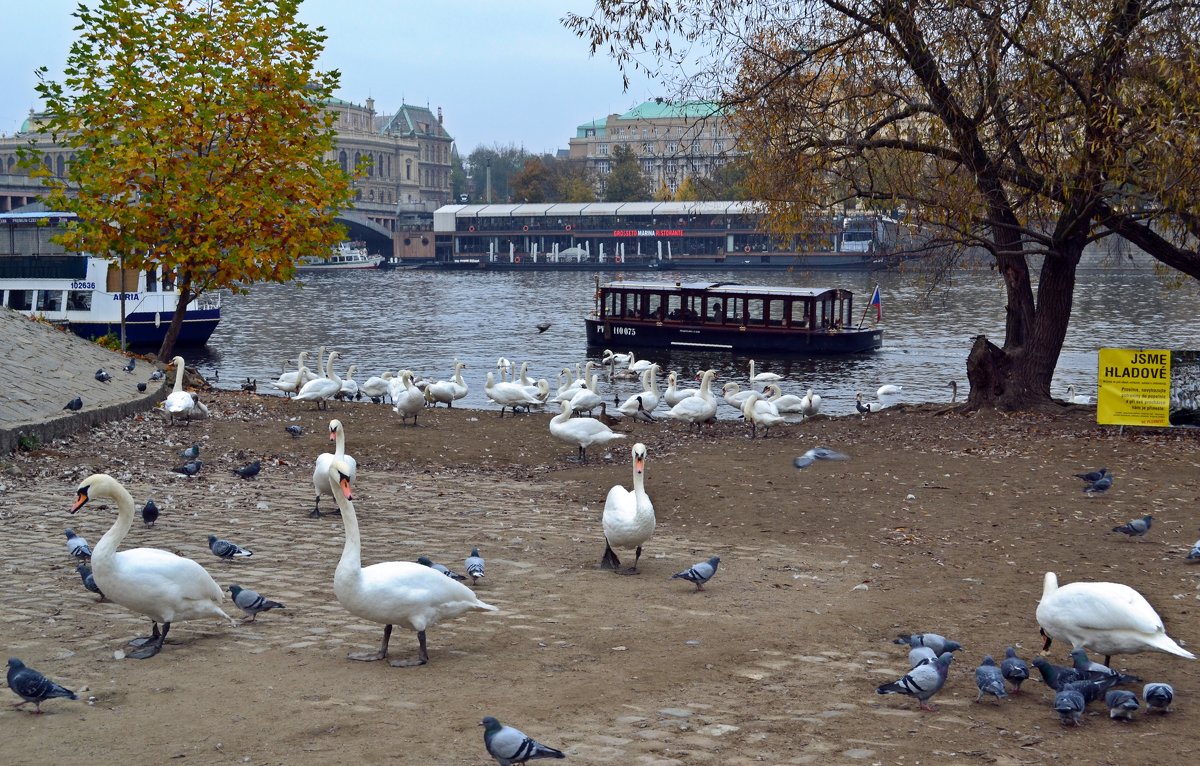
(502, 72)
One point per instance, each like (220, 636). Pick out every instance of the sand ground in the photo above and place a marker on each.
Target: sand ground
(938, 522)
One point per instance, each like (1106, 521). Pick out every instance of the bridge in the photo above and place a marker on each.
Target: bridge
(362, 229)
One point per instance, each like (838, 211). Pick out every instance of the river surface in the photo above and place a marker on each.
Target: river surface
(423, 320)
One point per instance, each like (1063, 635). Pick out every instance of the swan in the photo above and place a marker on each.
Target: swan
(622, 359)
(321, 470)
(648, 397)
(888, 390)
(637, 366)
(153, 582)
(567, 386)
(309, 375)
(508, 394)
(321, 390)
(449, 391)
(1080, 399)
(734, 395)
(582, 432)
(396, 386)
(628, 518)
(289, 382)
(505, 368)
(1105, 617)
(409, 400)
(402, 593)
(376, 386)
(699, 408)
(953, 391)
(785, 404)
(674, 395)
(539, 390)
(763, 377)
(864, 408)
(585, 400)
(179, 403)
(758, 411)
(349, 389)
(811, 405)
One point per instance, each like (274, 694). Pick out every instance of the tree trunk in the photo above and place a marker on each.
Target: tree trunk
(167, 350)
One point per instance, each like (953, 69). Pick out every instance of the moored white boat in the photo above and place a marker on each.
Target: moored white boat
(347, 255)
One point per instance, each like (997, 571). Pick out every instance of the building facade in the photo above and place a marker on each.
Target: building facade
(673, 141)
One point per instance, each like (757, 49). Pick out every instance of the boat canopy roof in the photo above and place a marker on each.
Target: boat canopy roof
(723, 288)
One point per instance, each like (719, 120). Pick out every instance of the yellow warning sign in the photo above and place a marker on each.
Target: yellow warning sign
(1135, 387)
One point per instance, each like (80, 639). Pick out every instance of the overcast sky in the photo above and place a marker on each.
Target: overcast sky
(502, 72)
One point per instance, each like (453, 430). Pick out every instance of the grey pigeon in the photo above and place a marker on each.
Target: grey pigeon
(190, 468)
(474, 565)
(156, 375)
(1086, 668)
(1121, 704)
(32, 686)
(699, 573)
(425, 560)
(226, 549)
(132, 363)
(508, 745)
(1137, 527)
(922, 682)
(920, 654)
(191, 453)
(1055, 676)
(935, 642)
(141, 387)
(295, 431)
(1014, 669)
(1100, 485)
(1093, 476)
(1069, 705)
(989, 680)
(251, 602)
(75, 405)
(149, 513)
(76, 545)
(1158, 696)
(103, 376)
(818, 453)
(1194, 553)
(89, 582)
(1092, 689)
(250, 470)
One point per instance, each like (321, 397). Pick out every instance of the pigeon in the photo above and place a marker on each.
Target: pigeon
(508, 745)
(295, 431)
(990, 680)
(251, 602)
(156, 375)
(1137, 527)
(922, 682)
(1014, 669)
(32, 686)
(89, 582)
(103, 376)
(542, 327)
(1194, 553)
(474, 565)
(149, 513)
(1092, 477)
(1100, 485)
(426, 561)
(818, 453)
(191, 453)
(226, 549)
(935, 642)
(1092, 689)
(1088, 669)
(75, 405)
(699, 573)
(250, 470)
(190, 468)
(1121, 704)
(920, 654)
(1158, 696)
(76, 545)
(129, 367)
(1069, 705)
(1055, 676)
(141, 387)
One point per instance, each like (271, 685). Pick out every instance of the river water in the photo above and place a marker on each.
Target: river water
(424, 320)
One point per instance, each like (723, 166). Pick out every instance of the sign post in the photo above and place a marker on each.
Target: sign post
(1135, 387)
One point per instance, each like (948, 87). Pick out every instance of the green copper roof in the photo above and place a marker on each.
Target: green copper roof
(651, 110)
(597, 125)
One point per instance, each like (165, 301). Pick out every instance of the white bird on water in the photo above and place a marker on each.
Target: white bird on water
(1073, 398)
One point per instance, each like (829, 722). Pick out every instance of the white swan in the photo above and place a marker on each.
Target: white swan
(785, 404)
(309, 375)
(505, 368)
(582, 432)
(864, 408)
(888, 390)
(648, 397)
(321, 486)
(157, 583)
(760, 412)
(615, 358)
(585, 400)
(508, 394)
(1105, 617)
(376, 386)
(321, 390)
(637, 366)
(673, 394)
(1077, 399)
(733, 394)
(700, 408)
(349, 389)
(179, 403)
(628, 519)
(811, 404)
(447, 392)
(289, 382)
(402, 593)
(763, 377)
(408, 400)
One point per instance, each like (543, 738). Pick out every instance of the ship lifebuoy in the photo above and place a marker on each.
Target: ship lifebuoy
(619, 259)
(524, 228)
(746, 249)
(516, 259)
(567, 227)
(470, 228)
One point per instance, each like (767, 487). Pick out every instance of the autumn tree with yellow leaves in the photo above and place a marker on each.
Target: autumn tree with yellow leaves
(201, 141)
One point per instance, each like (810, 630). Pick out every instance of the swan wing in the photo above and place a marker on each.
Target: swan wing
(159, 584)
(1101, 606)
(409, 594)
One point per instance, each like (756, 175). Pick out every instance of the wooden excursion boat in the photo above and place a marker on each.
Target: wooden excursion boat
(728, 316)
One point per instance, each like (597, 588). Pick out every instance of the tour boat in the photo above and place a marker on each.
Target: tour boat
(346, 255)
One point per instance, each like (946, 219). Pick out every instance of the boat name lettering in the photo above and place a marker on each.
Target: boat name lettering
(648, 232)
(128, 297)
(624, 331)
(83, 285)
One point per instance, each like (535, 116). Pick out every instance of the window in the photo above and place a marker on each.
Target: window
(718, 147)
(79, 300)
(602, 149)
(603, 167)
(648, 147)
(49, 300)
(20, 300)
(671, 148)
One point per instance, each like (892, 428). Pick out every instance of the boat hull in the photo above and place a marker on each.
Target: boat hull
(149, 328)
(602, 333)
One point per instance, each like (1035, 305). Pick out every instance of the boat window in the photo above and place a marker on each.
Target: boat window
(151, 281)
(675, 306)
(799, 314)
(49, 300)
(735, 310)
(654, 306)
(79, 300)
(754, 311)
(631, 305)
(773, 312)
(20, 300)
(612, 304)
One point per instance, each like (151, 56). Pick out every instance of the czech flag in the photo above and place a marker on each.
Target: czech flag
(877, 302)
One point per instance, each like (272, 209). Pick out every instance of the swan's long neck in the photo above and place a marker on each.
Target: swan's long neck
(1049, 584)
(351, 561)
(563, 416)
(301, 360)
(178, 361)
(458, 374)
(107, 547)
(706, 386)
(329, 367)
(339, 448)
(653, 372)
(639, 479)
